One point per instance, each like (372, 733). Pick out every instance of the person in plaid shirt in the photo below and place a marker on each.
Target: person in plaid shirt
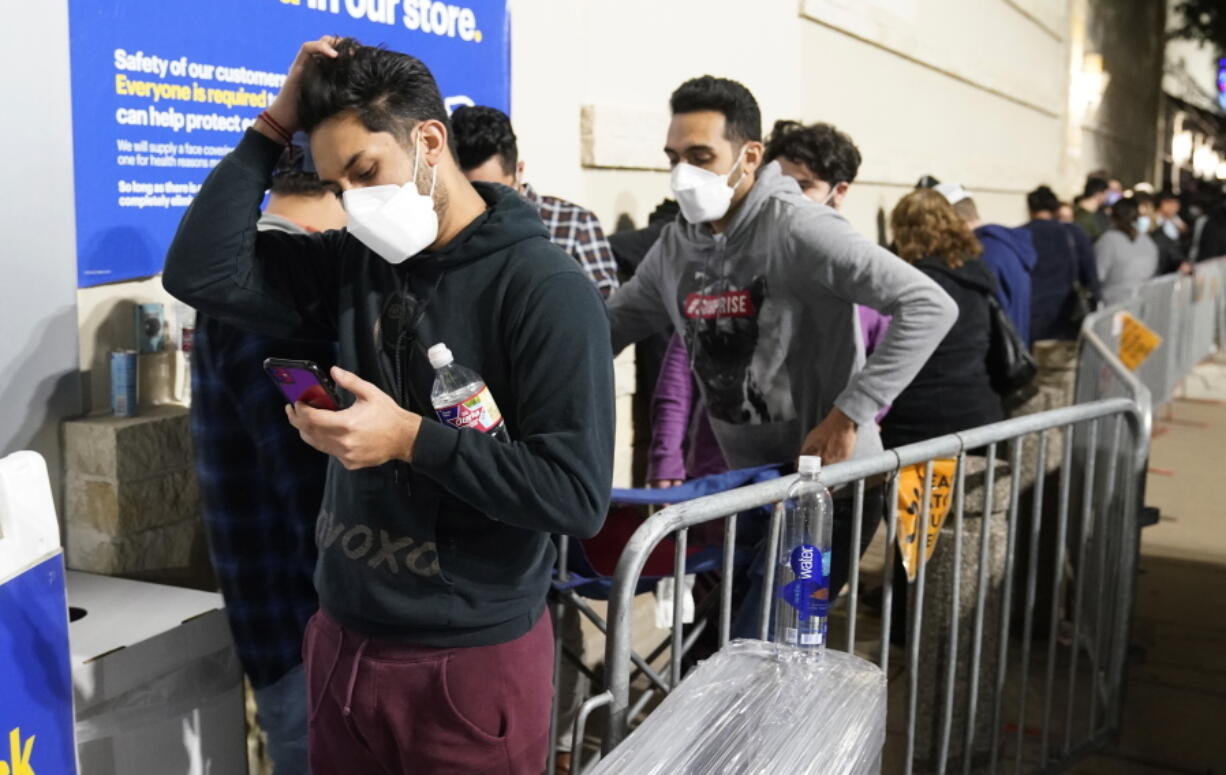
(488, 152)
(262, 488)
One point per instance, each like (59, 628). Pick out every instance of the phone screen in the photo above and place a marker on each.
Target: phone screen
(301, 385)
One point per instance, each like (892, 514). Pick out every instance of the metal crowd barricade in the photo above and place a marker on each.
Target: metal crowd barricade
(1012, 678)
(1188, 312)
(1082, 545)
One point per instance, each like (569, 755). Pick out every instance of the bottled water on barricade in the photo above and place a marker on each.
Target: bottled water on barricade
(802, 578)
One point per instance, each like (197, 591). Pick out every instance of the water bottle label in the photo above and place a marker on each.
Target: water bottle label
(809, 592)
(795, 637)
(478, 412)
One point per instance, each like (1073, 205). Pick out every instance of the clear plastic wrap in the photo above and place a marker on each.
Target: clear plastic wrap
(760, 707)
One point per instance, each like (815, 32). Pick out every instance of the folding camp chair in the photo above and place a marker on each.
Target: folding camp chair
(585, 569)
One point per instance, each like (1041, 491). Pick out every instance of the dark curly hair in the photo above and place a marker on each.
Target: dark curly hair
(828, 153)
(743, 120)
(924, 224)
(387, 91)
(1043, 199)
(482, 132)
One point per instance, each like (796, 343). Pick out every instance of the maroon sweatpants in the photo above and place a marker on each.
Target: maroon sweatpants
(387, 708)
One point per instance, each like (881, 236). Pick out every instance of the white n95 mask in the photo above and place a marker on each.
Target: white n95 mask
(704, 196)
(396, 222)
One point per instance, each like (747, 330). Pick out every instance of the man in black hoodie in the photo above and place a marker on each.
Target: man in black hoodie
(430, 652)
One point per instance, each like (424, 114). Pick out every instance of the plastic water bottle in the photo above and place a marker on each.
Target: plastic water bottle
(802, 600)
(461, 398)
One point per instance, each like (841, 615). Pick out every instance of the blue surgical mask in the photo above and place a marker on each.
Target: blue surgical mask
(1143, 223)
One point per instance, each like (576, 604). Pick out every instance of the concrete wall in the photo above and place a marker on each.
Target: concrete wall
(1121, 134)
(964, 89)
(970, 90)
(917, 83)
(39, 384)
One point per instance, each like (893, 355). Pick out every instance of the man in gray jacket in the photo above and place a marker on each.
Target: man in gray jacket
(762, 282)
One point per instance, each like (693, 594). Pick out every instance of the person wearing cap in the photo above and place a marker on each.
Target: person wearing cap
(1008, 252)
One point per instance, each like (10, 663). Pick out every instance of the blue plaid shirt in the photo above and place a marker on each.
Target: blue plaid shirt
(262, 487)
(578, 232)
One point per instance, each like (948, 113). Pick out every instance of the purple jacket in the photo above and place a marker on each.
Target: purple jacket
(683, 446)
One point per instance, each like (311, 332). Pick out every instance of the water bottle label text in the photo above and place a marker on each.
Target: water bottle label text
(478, 412)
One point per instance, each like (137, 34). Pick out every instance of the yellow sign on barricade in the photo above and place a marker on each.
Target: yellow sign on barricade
(1137, 341)
(911, 508)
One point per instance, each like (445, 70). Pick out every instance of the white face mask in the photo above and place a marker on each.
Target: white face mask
(829, 200)
(704, 196)
(396, 222)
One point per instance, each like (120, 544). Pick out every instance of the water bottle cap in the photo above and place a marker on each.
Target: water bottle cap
(440, 356)
(810, 464)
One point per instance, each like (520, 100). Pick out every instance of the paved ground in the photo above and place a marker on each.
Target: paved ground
(1175, 711)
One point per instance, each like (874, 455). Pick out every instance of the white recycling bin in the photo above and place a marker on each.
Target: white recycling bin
(36, 715)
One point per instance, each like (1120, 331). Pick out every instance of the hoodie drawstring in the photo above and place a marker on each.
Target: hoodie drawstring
(347, 711)
(336, 660)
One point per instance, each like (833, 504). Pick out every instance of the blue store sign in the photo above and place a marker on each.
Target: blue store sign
(162, 90)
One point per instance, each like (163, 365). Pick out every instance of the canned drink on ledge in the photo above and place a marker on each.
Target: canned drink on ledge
(124, 397)
(150, 327)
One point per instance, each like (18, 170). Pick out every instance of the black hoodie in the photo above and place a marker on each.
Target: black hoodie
(953, 391)
(453, 550)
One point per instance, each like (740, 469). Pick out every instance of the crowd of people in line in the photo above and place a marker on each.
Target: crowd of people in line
(401, 626)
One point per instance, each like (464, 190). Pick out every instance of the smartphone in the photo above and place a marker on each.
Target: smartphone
(303, 381)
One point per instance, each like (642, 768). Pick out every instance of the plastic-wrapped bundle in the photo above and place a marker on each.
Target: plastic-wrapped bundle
(760, 707)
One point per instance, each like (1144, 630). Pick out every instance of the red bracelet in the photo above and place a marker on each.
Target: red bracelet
(276, 127)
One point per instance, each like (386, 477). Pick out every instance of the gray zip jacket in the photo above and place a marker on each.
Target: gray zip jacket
(767, 312)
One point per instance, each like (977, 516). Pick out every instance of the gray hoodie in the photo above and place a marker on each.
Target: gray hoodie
(767, 312)
(1124, 264)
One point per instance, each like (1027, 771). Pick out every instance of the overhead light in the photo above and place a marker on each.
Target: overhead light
(1090, 84)
(1206, 161)
(1181, 148)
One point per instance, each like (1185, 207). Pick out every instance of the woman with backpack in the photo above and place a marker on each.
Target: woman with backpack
(953, 391)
